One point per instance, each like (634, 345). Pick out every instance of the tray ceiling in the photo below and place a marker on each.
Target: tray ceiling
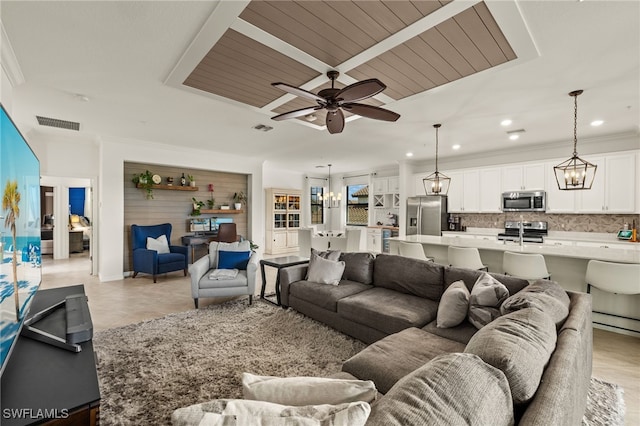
(401, 43)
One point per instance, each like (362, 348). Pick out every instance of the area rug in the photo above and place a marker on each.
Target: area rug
(149, 369)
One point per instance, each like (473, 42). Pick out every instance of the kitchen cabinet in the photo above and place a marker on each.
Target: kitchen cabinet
(380, 185)
(489, 193)
(558, 201)
(374, 240)
(393, 184)
(614, 186)
(283, 212)
(464, 191)
(523, 177)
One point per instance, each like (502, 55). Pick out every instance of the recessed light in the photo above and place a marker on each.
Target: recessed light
(514, 137)
(506, 122)
(456, 147)
(409, 154)
(596, 123)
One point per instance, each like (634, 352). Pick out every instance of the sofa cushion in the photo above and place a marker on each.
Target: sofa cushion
(410, 276)
(306, 390)
(240, 280)
(452, 389)
(545, 295)
(325, 296)
(460, 333)
(520, 344)
(470, 276)
(487, 295)
(358, 267)
(387, 310)
(324, 271)
(390, 359)
(453, 306)
(225, 412)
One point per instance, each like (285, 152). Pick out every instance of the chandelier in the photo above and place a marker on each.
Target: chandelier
(575, 173)
(331, 200)
(436, 183)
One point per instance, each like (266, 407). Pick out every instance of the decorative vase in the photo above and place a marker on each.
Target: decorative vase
(192, 183)
(237, 206)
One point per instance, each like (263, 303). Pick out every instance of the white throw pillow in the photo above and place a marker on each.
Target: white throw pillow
(325, 271)
(306, 390)
(453, 306)
(487, 295)
(240, 412)
(160, 244)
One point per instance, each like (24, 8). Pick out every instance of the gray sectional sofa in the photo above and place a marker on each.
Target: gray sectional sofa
(530, 365)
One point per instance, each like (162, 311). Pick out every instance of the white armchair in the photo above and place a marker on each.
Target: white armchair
(244, 283)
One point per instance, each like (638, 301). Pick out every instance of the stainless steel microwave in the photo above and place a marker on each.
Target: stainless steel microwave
(532, 201)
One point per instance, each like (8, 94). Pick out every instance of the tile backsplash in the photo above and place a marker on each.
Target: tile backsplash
(557, 222)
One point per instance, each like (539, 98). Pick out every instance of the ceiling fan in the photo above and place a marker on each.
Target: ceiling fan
(335, 100)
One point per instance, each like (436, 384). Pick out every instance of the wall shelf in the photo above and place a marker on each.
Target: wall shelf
(219, 211)
(171, 187)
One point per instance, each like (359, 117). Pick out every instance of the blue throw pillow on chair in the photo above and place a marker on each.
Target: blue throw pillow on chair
(233, 259)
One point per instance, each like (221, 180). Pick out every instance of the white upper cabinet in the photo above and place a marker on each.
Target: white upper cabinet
(614, 186)
(393, 184)
(523, 177)
(464, 191)
(558, 201)
(490, 194)
(380, 186)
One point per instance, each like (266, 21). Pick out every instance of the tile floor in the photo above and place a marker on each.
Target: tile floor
(616, 357)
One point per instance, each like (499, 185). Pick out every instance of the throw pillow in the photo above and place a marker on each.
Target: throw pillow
(519, 344)
(324, 271)
(329, 254)
(306, 390)
(548, 296)
(487, 295)
(451, 389)
(240, 412)
(453, 306)
(233, 259)
(160, 244)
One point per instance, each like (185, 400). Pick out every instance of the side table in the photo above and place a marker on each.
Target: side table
(278, 263)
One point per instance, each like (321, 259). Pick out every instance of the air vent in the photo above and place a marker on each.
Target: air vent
(262, 127)
(60, 124)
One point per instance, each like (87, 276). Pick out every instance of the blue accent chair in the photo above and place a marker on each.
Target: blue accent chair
(149, 261)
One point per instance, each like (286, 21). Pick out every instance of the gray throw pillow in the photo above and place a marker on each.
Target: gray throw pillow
(329, 254)
(487, 295)
(453, 306)
(520, 345)
(358, 267)
(324, 271)
(548, 296)
(451, 389)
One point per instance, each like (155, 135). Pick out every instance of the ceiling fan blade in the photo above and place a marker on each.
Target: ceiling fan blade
(361, 90)
(335, 121)
(296, 113)
(298, 92)
(370, 111)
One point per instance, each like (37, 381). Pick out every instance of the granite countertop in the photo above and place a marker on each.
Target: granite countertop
(395, 228)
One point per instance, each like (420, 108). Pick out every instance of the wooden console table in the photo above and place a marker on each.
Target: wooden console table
(40, 378)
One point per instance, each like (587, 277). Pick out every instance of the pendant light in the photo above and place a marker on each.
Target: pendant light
(331, 200)
(575, 173)
(436, 183)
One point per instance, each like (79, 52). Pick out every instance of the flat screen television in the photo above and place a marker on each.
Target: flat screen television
(20, 271)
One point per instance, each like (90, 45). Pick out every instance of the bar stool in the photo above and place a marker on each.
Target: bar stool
(413, 250)
(465, 257)
(525, 265)
(617, 278)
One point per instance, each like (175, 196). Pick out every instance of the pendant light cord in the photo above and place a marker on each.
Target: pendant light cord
(575, 125)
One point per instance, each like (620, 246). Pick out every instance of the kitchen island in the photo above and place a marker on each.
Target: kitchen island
(566, 263)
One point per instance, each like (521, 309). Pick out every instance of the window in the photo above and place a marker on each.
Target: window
(358, 205)
(317, 212)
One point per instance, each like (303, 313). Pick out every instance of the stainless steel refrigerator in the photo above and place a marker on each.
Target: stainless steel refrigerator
(426, 215)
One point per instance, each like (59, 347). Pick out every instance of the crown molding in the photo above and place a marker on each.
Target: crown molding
(9, 61)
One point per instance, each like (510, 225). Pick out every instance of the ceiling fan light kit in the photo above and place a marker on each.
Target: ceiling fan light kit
(575, 173)
(336, 100)
(436, 183)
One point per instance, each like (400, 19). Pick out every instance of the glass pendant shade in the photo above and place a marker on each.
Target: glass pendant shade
(575, 173)
(436, 183)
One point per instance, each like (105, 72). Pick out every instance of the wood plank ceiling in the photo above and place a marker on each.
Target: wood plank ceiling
(242, 68)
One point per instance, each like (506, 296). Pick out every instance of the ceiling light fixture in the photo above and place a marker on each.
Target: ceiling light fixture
(575, 173)
(331, 201)
(409, 154)
(506, 122)
(514, 137)
(436, 183)
(456, 147)
(596, 123)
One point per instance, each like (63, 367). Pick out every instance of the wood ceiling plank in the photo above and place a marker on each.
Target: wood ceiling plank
(492, 26)
(394, 90)
(406, 11)
(446, 50)
(361, 20)
(435, 60)
(470, 22)
(428, 7)
(463, 44)
(384, 64)
(420, 64)
(383, 15)
(227, 73)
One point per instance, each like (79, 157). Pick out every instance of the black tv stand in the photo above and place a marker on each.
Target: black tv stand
(79, 327)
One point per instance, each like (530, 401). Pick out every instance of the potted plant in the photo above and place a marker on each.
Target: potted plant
(210, 202)
(145, 181)
(192, 180)
(197, 205)
(240, 198)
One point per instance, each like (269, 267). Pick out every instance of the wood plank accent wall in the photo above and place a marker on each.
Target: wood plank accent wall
(175, 207)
